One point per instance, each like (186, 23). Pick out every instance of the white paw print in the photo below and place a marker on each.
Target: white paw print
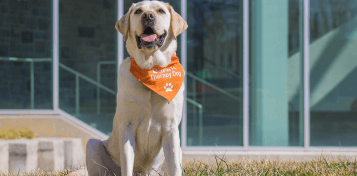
(168, 87)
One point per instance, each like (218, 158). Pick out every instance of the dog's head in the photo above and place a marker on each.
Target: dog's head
(150, 26)
(150, 23)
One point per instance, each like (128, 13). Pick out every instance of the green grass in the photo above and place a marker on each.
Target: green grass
(319, 166)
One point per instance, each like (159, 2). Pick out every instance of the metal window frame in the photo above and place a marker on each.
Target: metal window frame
(245, 74)
(120, 40)
(55, 59)
(203, 149)
(184, 65)
(305, 4)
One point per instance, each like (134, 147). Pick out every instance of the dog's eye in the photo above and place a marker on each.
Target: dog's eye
(161, 11)
(138, 11)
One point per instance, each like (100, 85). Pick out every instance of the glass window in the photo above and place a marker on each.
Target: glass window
(87, 60)
(214, 73)
(276, 118)
(333, 72)
(26, 54)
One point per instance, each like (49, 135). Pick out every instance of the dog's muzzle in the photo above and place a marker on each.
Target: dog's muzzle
(149, 38)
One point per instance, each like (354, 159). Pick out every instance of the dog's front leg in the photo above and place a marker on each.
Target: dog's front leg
(127, 143)
(172, 150)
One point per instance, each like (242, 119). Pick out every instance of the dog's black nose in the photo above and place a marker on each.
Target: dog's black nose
(148, 16)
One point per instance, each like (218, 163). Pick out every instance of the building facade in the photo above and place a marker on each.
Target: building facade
(261, 74)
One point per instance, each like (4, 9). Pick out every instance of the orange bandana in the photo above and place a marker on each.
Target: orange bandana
(164, 81)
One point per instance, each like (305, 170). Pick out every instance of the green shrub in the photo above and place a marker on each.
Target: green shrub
(17, 134)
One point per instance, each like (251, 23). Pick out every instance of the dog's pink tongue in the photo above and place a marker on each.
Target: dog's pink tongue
(150, 38)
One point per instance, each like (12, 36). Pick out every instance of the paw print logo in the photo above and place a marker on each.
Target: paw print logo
(168, 87)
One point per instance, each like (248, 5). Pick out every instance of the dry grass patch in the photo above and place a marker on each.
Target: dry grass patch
(319, 166)
(17, 134)
(39, 172)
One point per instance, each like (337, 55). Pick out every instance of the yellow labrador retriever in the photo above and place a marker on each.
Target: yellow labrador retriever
(145, 137)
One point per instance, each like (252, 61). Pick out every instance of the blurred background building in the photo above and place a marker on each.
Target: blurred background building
(61, 57)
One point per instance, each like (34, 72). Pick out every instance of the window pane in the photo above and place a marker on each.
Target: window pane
(88, 53)
(26, 54)
(333, 72)
(214, 73)
(275, 70)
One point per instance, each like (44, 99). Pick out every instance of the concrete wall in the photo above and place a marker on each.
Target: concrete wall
(47, 126)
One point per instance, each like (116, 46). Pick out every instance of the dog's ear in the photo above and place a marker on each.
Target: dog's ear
(178, 24)
(123, 25)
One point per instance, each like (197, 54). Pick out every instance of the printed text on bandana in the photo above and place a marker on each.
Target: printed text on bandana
(164, 73)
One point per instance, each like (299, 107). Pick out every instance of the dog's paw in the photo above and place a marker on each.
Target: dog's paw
(168, 87)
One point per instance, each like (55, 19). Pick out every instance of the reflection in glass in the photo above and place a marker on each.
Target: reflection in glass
(26, 54)
(88, 59)
(333, 72)
(214, 73)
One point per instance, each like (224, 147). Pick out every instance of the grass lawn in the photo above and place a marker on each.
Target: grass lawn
(319, 166)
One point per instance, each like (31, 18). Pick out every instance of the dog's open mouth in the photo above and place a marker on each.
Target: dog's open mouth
(149, 39)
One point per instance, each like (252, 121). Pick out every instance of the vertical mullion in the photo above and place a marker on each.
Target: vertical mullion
(245, 74)
(301, 73)
(306, 75)
(55, 80)
(120, 37)
(305, 79)
(120, 42)
(184, 64)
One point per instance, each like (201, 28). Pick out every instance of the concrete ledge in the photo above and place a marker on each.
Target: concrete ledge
(256, 155)
(48, 154)
(48, 126)
(4, 157)
(22, 154)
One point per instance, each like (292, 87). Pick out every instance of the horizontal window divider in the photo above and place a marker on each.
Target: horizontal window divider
(230, 149)
(27, 112)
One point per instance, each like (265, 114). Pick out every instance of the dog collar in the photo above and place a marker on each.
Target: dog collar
(165, 81)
